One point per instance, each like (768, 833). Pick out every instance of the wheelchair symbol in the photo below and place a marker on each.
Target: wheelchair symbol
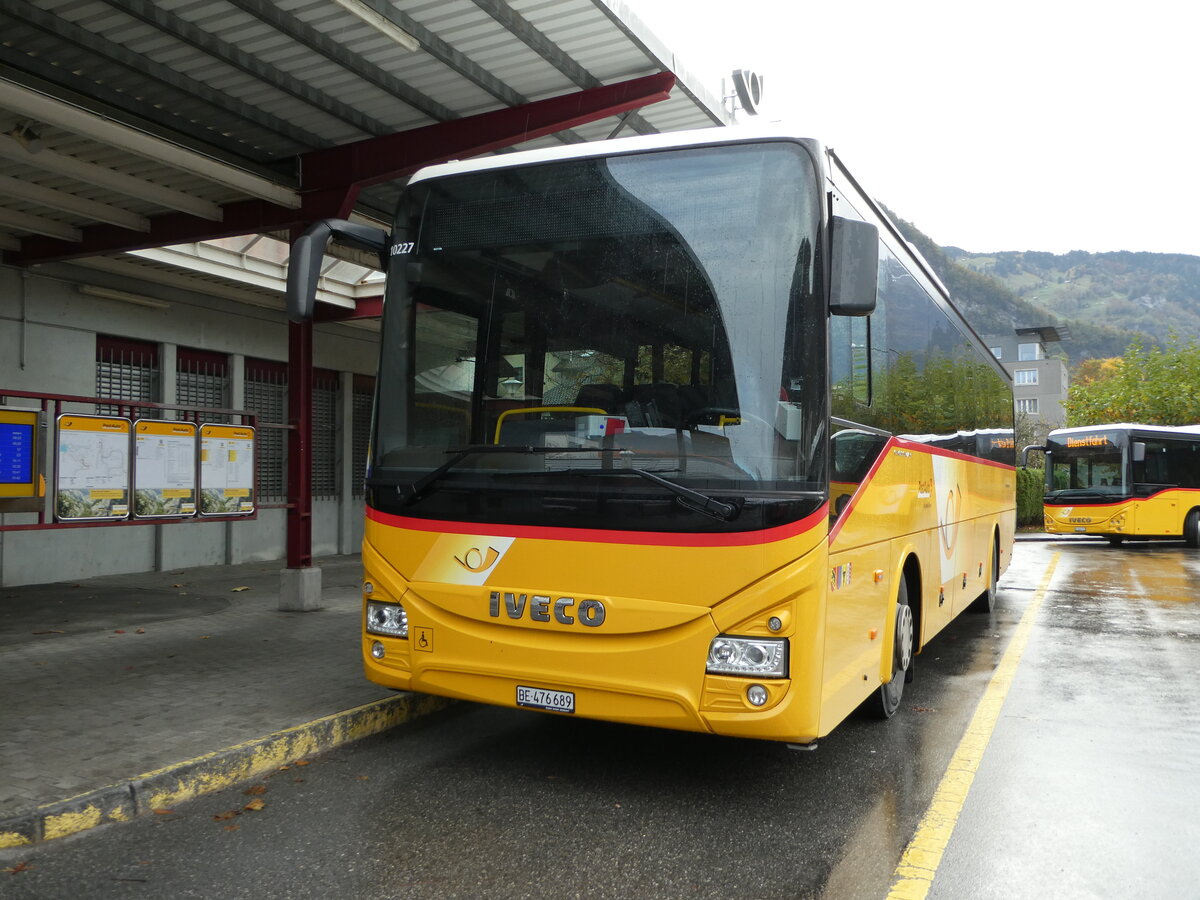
(423, 639)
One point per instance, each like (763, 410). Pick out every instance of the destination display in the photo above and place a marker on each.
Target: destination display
(164, 474)
(226, 470)
(92, 481)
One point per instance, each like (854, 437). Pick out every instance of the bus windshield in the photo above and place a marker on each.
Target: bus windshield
(1086, 464)
(568, 343)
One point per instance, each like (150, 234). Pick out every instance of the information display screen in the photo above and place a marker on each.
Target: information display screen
(16, 453)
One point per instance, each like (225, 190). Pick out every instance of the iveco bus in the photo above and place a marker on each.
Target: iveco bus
(1124, 482)
(674, 430)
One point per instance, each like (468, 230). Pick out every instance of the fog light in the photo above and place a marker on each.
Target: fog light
(387, 618)
(774, 623)
(764, 657)
(368, 588)
(377, 650)
(756, 694)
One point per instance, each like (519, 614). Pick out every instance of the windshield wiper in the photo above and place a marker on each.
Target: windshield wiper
(693, 500)
(421, 486)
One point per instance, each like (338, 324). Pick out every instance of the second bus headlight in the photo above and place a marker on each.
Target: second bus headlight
(387, 618)
(762, 657)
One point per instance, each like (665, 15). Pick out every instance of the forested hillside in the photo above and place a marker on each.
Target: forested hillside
(1152, 293)
(995, 293)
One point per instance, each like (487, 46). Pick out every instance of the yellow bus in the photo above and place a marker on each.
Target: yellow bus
(1124, 482)
(674, 430)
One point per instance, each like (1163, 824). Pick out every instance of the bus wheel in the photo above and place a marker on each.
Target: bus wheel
(888, 698)
(986, 602)
(1191, 529)
(1115, 540)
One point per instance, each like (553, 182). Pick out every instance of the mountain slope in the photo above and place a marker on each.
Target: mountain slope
(1152, 293)
(992, 305)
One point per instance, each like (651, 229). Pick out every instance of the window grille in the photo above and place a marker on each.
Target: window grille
(1028, 405)
(324, 434)
(266, 397)
(362, 398)
(202, 379)
(125, 370)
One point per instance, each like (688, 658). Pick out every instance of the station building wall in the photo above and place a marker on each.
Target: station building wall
(48, 343)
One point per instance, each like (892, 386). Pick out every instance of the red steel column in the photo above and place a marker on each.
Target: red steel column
(299, 456)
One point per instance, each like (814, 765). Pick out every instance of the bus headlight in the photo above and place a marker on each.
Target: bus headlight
(764, 657)
(387, 618)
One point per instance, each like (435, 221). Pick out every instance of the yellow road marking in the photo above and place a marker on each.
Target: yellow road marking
(919, 863)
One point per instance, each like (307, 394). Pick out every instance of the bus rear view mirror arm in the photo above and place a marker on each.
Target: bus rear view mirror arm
(855, 251)
(1025, 453)
(304, 264)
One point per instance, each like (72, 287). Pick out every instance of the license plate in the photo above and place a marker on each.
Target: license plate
(540, 698)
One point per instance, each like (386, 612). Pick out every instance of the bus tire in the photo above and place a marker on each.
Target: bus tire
(1115, 540)
(887, 698)
(986, 602)
(1191, 529)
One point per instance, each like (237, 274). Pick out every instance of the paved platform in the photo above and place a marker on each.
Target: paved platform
(127, 692)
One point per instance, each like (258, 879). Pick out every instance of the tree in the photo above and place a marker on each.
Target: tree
(1159, 386)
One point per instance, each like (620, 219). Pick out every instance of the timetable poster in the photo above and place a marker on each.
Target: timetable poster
(226, 470)
(164, 469)
(92, 480)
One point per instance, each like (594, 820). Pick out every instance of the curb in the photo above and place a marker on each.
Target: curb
(216, 771)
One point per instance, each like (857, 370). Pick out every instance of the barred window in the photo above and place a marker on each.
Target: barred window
(324, 434)
(125, 370)
(202, 379)
(266, 397)
(362, 397)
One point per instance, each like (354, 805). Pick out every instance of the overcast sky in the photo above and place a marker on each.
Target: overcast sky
(1051, 125)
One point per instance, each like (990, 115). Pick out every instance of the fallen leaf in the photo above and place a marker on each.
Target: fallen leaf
(364, 777)
(226, 816)
(177, 585)
(236, 589)
(232, 827)
(140, 631)
(205, 637)
(119, 631)
(164, 812)
(255, 790)
(19, 867)
(254, 806)
(300, 762)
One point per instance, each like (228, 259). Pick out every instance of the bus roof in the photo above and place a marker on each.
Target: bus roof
(742, 134)
(1130, 426)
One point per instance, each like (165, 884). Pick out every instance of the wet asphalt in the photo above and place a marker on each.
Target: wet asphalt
(1087, 788)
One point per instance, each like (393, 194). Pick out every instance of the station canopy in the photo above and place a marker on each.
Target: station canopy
(182, 143)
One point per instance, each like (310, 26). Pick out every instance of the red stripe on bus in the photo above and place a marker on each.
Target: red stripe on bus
(912, 447)
(606, 536)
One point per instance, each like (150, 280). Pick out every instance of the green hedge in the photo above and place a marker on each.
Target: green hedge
(1030, 487)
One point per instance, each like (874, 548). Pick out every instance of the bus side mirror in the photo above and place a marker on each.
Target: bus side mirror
(855, 267)
(1139, 451)
(304, 262)
(1025, 454)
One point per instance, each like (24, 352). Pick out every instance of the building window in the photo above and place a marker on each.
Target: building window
(125, 370)
(266, 397)
(364, 391)
(202, 379)
(1025, 376)
(1029, 352)
(998, 352)
(324, 434)
(1028, 405)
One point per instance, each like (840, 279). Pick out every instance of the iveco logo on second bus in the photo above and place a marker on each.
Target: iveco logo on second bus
(540, 607)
